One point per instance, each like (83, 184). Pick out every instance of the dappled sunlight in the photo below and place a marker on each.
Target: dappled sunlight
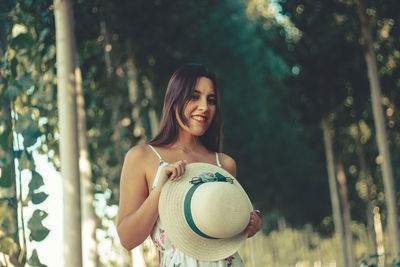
(310, 108)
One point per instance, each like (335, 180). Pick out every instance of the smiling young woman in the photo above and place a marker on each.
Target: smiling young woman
(199, 110)
(190, 132)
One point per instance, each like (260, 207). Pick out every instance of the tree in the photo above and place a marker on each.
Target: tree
(340, 228)
(69, 152)
(382, 139)
(89, 219)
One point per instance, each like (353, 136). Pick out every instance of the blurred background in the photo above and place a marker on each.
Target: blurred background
(310, 98)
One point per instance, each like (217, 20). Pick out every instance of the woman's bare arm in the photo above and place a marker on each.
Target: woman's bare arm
(138, 210)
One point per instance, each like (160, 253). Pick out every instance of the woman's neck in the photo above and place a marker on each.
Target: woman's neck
(186, 143)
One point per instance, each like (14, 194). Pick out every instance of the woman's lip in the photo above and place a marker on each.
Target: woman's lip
(199, 120)
(194, 117)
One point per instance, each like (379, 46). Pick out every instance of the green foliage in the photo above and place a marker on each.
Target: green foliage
(34, 260)
(276, 88)
(20, 112)
(38, 231)
(35, 183)
(18, 87)
(8, 246)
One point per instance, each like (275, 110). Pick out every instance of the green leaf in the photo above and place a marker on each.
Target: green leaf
(8, 246)
(44, 34)
(5, 136)
(24, 162)
(7, 216)
(18, 153)
(34, 260)
(7, 176)
(22, 41)
(14, 89)
(38, 231)
(18, 87)
(38, 198)
(36, 181)
(26, 126)
(26, 81)
(4, 62)
(30, 136)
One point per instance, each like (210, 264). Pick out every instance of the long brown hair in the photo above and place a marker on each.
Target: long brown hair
(179, 91)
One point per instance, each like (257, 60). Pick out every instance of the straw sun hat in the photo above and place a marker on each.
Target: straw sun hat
(205, 212)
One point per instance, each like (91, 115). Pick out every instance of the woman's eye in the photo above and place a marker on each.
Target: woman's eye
(195, 97)
(212, 100)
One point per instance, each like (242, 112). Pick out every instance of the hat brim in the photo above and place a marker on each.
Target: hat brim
(171, 211)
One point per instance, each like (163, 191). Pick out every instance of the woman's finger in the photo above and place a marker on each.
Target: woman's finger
(174, 173)
(254, 224)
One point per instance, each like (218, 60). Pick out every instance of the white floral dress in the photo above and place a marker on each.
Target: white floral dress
(173, 257)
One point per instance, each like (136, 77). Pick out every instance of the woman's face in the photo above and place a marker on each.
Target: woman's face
(200, 110)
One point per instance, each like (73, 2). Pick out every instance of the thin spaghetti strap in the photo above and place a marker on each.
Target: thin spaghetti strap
(161, 165)
(217, 157)
(155, 151)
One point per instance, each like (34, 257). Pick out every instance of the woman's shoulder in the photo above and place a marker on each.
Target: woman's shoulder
(228, 163)
(140, 152)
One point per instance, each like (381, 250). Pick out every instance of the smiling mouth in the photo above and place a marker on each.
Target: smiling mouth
(199, 119)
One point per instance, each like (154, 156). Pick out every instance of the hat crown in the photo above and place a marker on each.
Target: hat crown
(189, 238)
(220, 210)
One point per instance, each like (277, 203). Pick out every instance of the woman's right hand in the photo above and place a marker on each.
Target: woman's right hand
(172, 171)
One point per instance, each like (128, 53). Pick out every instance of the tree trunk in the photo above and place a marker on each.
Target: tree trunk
(380, 128)
(369, 198)
(379, 236)
(69, 153)
(341, 177)
(154, 120)
(89, 219)
(134, 95)
(336, 212)
(107, 49)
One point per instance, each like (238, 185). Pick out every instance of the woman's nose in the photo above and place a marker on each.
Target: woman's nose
(203, 104)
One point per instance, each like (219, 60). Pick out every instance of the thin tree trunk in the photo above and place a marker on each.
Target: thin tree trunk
(379, 119)
(69, 153)
(89, 219)
(366, 177)
(379, 236)
(154, 120)
(116, 98)
(372, 246)
(107, 49)
(341, 177)
(337, 215)
(134, 96)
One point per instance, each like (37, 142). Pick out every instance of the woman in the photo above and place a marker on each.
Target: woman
(190, 132)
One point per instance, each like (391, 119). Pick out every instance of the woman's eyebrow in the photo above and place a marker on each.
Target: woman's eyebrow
(198, 92)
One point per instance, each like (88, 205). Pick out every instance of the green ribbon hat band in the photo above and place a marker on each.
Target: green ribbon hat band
(188, 212)
(197, 181)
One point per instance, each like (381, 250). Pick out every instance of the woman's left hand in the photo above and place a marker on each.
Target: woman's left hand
(254, 224)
